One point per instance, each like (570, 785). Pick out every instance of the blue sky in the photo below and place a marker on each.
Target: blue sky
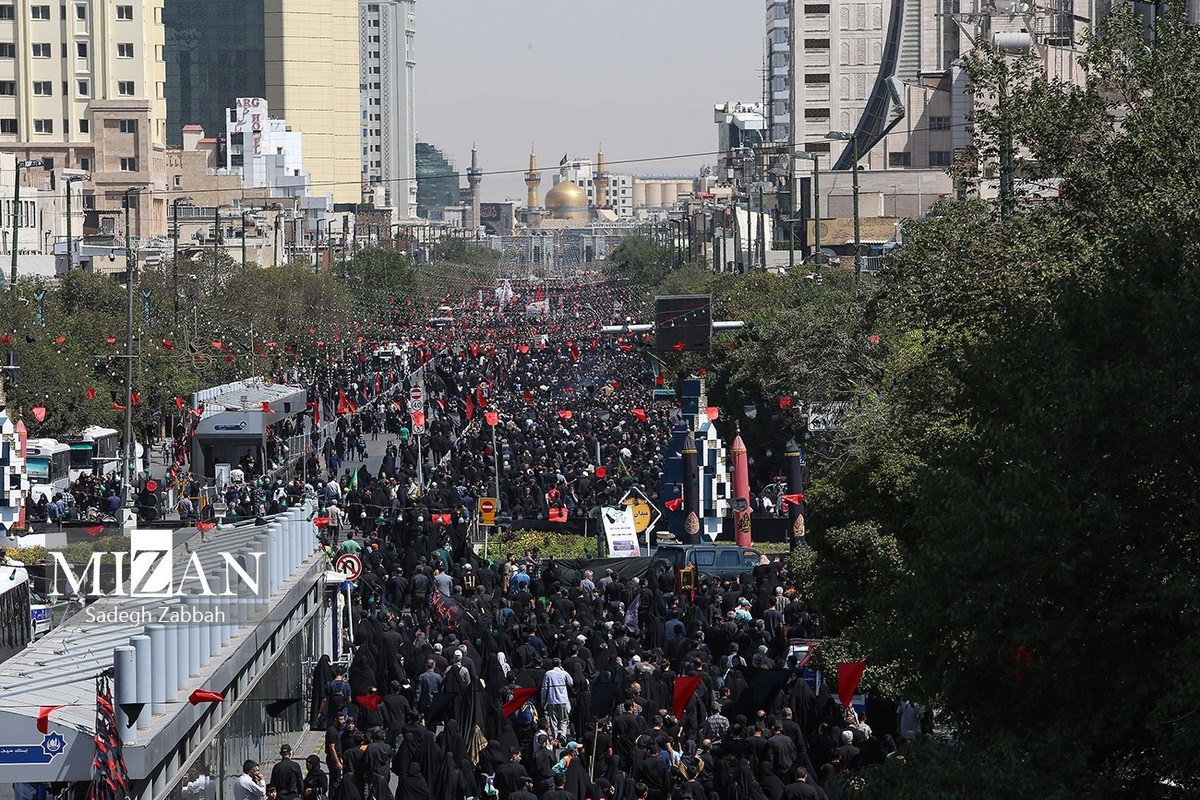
(565, 75)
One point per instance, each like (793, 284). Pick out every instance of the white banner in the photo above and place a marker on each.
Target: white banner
(620, 532)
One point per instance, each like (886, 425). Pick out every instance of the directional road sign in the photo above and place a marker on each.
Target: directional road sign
(349, 565)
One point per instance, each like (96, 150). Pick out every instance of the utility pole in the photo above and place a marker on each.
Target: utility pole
(70, 249)
(846, 136)
(28, 164)
(127, 461)
(175, 252)
(1007, 198)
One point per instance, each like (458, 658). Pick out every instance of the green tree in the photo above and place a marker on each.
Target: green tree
(1019, 481)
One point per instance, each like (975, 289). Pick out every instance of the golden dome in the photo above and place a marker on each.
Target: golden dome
(567, 201)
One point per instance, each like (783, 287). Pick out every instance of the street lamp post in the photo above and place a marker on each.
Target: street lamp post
(28, 164)
(845, 136)
(70, 250)
(816, 159)
(127, 460)
(175, 252)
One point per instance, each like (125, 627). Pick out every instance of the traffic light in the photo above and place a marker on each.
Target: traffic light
(489, 460)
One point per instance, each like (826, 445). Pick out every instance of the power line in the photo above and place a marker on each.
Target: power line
(524, 170)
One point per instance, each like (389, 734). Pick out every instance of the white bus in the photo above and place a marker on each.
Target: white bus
(95, 450)
(48, 463)
(24, 615)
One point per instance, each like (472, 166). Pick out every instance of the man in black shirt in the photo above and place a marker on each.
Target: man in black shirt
(286, 776)
(333, 749)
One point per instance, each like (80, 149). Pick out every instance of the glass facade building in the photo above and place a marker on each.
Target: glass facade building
(214, 53)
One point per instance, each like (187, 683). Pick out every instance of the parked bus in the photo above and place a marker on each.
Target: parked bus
(94, 450)
(48, 464)
(24, 615)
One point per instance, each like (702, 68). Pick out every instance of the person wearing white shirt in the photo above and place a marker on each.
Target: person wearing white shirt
(250, 785)
(197, 785)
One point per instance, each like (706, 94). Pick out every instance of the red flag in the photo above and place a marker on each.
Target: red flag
(368, 701)
(178, 401)
(565, 414)
(167, 345)
(480, 398)
(523, 348)
(315, 406)
(574, 353)
(93, 530)
(492, 417)
(91, 393)
(529, 397)
(797, 498)
(785, 403)
(849, 674)
(685, 687)
(677, 347)
(639, 414)
(712, 412)
(322, 522)
(474, 350)
(266, 407)
(43, 718)
(343, 405)
(520, 697)
(137, 398)
(205, 527)
(470, 409)
(205, 696)
(217, 345)
(39, 413)
(118, 407)
(674, 505)
(418, 419)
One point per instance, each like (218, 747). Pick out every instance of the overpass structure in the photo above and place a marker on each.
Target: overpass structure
(240, 611)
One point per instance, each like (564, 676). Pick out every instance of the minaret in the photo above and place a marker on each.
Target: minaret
(600, 181)
(474, 178)
(533, 179)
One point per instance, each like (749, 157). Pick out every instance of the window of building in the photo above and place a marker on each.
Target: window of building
(83, 88)
(8, 88)
(8, 125)
(40, 12)
(939, 158)
(939, 123)
(816, 8)
(43, 126)
(85, 164)
(8, 50)
(816, 44)
(816, 77)
(42, 89)
(127, 125)
(128, 164)
(125, 88)
(81, 49)
(125, 12)
(81, 12)
(41, 50)
(816, 113)
(124, 49)
(901, 159)
(7, 12)
(85, 127)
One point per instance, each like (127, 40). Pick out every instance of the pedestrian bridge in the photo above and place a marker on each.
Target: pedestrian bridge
(244, 616)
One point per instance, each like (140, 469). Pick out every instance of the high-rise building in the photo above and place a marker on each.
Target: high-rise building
(214, 54)
(889, 71)
(387, 82)
(58, 61)
(779, 68)
(311, 50)
(82, 85)
(300, 55)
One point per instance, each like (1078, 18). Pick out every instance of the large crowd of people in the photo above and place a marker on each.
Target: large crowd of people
(526, 678)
